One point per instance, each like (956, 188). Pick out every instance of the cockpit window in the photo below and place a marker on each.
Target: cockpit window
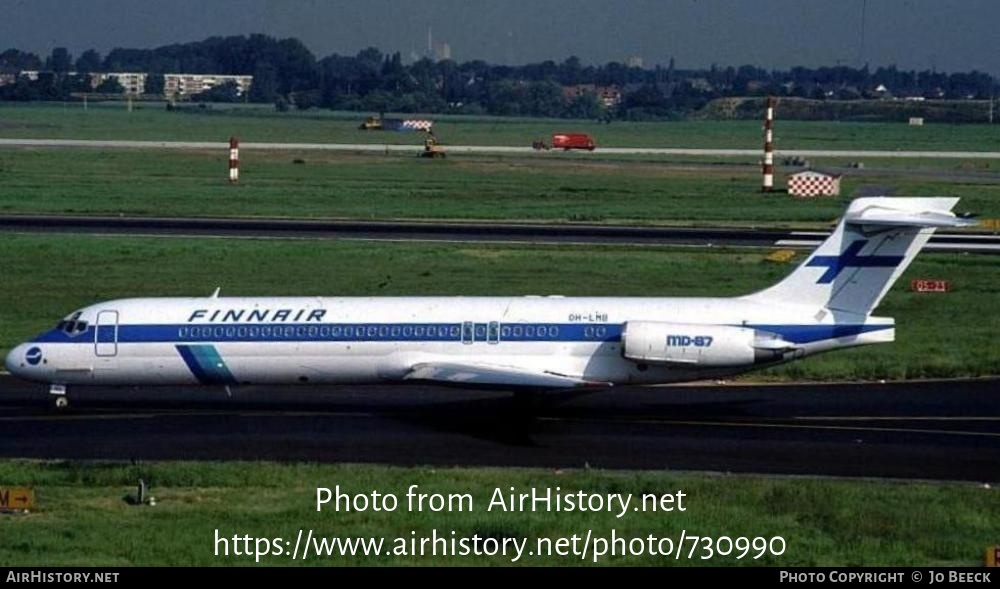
(72, 325)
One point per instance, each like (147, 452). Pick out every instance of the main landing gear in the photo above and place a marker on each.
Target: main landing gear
(59, 398)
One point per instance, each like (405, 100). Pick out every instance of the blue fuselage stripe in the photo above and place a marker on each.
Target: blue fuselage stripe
(206, 364)
(415, 332)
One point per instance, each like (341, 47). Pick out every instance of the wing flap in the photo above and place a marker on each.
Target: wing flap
(488, 374)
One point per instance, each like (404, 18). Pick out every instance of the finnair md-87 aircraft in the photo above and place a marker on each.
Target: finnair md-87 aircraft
(507, 342)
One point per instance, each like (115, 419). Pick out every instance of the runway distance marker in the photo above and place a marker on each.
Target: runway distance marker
(930, 285)
(16, 499)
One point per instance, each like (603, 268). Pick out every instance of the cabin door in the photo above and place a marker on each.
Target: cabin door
(106, 334)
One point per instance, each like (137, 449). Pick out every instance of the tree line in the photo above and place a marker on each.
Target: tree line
(285, 72)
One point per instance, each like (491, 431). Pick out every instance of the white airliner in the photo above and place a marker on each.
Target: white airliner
(507, 342)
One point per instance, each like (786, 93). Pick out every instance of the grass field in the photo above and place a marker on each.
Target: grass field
(83, 520)
(937, 335)
(329, 185)
(153, 122)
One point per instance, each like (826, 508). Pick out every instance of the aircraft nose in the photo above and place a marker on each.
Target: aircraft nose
(17, 359)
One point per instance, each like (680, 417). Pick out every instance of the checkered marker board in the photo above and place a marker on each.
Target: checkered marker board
(813, 185)
(416, 125)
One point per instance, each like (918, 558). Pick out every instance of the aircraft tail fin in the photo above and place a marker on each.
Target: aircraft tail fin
(871, 247)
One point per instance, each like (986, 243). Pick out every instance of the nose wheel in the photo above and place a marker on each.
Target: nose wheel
(59, 398)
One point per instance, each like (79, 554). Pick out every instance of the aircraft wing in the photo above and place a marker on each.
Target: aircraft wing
(491, 374)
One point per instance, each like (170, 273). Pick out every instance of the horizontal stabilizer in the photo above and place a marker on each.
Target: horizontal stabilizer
(922, 212)
(489, 374)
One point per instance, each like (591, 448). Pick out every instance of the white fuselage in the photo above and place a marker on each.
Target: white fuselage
(232, 341)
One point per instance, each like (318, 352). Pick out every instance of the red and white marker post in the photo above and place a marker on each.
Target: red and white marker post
(234, 160)
(768, 170)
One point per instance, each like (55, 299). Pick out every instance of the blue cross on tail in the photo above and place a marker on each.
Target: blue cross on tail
(850, 259)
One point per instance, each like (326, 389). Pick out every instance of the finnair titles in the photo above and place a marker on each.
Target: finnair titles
(537, 343)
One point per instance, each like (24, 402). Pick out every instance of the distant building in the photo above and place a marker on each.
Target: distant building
(174, 85)
(437, 51)
(881, 91)
(610, 96)
(809, 183)
(442, 52)
(134, 83)
(634, 61)
(185, 85)
(700, 84)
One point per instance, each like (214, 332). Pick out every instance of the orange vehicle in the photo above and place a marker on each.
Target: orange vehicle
(569, 141)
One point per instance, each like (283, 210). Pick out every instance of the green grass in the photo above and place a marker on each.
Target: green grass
(47, 277)
(153, 122)
(82, 519)
(331, 185)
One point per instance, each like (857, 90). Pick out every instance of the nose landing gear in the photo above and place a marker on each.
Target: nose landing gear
(59, 398)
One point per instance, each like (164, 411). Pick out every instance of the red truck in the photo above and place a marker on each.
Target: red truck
(569, 141)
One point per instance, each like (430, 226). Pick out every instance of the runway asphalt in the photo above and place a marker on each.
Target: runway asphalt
(384, 148)
(947, 430)
(456, 232)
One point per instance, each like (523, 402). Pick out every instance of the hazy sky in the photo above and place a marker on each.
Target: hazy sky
(945, 35)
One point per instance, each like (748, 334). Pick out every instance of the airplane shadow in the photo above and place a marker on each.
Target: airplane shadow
(509, 418)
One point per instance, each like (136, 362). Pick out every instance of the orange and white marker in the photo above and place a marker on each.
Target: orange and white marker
(234, 160)
(768, 184)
